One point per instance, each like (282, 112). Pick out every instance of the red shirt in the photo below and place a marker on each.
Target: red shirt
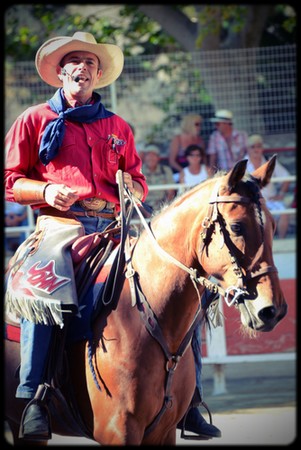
(86, 161)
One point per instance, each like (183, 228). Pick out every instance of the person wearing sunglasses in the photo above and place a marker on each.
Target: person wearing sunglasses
(196, 171)
(191, 126)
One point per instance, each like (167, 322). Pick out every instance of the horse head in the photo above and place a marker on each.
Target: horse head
(236, 246)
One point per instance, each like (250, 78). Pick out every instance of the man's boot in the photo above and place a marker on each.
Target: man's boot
(196, 423)
(35, 422)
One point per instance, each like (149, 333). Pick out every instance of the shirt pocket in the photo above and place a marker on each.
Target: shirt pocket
(105, 153)
(108, 152)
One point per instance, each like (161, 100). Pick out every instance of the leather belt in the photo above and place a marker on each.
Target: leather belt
(93, 214)
(50, 211)
(95, 204)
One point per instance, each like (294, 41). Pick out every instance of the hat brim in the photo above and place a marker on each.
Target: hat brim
(51, 53)
(216, 120)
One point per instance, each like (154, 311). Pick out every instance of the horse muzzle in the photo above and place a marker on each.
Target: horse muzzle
(265, 319)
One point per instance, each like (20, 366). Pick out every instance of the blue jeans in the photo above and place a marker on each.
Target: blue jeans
(36, 339)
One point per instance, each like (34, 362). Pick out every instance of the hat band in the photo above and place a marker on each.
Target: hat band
(223, 118)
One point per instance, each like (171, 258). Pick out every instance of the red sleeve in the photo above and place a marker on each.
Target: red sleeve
(21, 147)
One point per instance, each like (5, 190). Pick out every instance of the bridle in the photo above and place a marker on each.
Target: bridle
(212, 218)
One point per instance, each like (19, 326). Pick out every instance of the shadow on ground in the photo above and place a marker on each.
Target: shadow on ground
(252, 385)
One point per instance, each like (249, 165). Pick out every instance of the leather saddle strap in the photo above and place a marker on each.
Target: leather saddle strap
(93, 265)
(111, 290)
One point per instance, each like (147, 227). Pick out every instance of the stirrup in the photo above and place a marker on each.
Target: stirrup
(196, 401)
(194, 436)
(41, 398)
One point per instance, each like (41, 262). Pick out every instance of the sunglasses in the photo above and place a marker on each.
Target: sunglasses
(256, 146)
(197, 124)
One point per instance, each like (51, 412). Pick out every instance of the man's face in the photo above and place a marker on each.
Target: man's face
(80, 71)
(255, 149)
(224, 127)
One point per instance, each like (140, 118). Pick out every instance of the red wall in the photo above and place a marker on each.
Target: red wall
(281, 339)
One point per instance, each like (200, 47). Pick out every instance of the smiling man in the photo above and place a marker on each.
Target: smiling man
(62, 159)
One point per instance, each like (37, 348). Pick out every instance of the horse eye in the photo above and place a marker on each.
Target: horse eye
(236, 228)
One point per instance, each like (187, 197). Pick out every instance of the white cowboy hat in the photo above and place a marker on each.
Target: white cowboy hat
(223, 115)
(152, 148)
(50, 54)
(254, 139)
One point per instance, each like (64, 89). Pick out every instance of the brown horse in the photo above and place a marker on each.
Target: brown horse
(143, 376)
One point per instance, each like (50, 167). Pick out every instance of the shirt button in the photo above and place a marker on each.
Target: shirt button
(89, 138)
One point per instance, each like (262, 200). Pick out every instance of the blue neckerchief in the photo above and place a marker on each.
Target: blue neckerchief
(54, 132)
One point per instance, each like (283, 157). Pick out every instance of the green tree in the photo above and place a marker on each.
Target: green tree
(150, 29)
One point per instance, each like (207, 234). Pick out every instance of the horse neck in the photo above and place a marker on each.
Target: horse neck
(167, 287)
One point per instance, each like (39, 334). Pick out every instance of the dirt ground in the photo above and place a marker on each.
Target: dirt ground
(259, 407)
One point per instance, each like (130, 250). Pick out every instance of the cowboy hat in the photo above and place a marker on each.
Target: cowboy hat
(254, 139)
(223, 115)
(50, 54)
(152, 148)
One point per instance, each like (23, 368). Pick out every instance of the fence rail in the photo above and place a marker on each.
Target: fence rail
(180, 188)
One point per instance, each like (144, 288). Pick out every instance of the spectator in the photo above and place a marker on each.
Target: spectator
(15, 216)
(274, 199)
(226, 145)
(196, 171)
(156, 173)
(190, 134)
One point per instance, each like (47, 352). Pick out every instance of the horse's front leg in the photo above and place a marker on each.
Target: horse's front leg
(169, 438)
(120, 428)
(161, 436)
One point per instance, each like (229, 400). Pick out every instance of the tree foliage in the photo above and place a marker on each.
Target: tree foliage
(151, 29)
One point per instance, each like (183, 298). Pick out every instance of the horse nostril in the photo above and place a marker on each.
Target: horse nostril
(267, 313)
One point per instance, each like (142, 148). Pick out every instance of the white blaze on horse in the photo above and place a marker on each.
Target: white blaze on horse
(220, 230)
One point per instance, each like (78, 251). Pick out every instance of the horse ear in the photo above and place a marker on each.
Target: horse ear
(264, 173)
(236, 173)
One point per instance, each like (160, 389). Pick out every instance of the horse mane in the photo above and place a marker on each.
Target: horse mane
(251, 184)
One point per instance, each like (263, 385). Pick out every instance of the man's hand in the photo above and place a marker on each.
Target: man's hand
(134, 187)
(60, 196)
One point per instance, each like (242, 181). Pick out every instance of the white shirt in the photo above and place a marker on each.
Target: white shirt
(270, 189)
(191, 179)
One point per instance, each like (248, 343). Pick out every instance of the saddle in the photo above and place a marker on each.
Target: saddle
(93, 256)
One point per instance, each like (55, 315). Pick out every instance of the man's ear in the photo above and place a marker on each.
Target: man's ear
(59, 72)
(99, 73)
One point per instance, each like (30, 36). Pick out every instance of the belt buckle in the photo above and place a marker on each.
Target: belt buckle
(93, 204)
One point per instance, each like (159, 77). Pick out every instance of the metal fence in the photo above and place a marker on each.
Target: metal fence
(154, 92)
(179, 188)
